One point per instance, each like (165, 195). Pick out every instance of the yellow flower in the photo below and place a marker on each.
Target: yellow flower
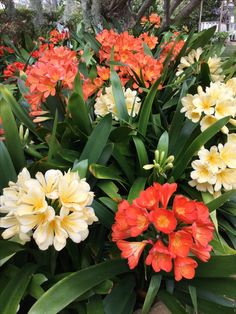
(189, 60)
(225, 178)
(74, 193)
(203, 103)
(190, 109)
(202, 173)
(232, 85)
(207, 121)
(211, 158)
(228, 154)
(216, 71)
(53, 207)
(202, 187)
(105, 103)
(49, 182)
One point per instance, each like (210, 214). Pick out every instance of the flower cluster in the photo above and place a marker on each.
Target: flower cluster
(13, 69)
(218, 101)
(216, 168)
(55, 65)
(130, 51)
(52, 207)
(173, 234)
(152, 19)
(56, 36)
(192, 60)
(4, 49)
(105, 103)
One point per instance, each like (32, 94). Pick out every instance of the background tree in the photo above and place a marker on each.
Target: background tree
(123, 11)
(37, 7)
(9, 8)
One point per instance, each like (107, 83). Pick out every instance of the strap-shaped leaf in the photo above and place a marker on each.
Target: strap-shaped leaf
(7, 170)
(74, 285)
(182, 162)
(97, 140)
(151, 293)
(12, 139)
(10, 297)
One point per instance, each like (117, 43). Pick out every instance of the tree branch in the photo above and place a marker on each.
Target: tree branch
(174, 5)
(146, 5)
(187, 10)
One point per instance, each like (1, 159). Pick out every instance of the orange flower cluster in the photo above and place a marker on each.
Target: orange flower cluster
(58, 64)
(56, 36)
(174, 47)
(13, 69)
(41, 49)
(4, 49)
(130, 51)
(153, 19)
(172, 233)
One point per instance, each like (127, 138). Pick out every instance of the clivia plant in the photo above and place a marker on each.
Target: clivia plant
(117, 160)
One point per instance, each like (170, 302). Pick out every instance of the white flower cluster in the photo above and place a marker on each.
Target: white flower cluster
(218, 101)
(216, 168)
(51, 207)
(105, 103)
(192, 59)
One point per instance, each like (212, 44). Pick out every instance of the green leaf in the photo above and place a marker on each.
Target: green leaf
(123, 163)
(12, 139)
(71, 287)
(18, 111)
(7, 169)
(95, 305)
(81, 167)
(171, 302)
(151, 293)
(104, 215)
(79, 113)
(147, 107)
(141, 152)
(219, 201)
(136, 188)
(215, 267)
(8, 248)
(202, 38)
(52, 140)
(97, 140)
(116, 301)
(119, 97)
(110, 189)
(105, 173)
(163, 144)
(193, 294)
(183, 160)
(11, 296)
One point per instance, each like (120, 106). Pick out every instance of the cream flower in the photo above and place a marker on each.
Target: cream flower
(49, 182)
(215, 68)
(231, 83)
(73, 192)
(105, 103)
(189, 60)
(190, 109)
(228, 154)
(53, 207)
(211, 158)
(225, 178)
(203, 103)
(216, 168)
(202, 173)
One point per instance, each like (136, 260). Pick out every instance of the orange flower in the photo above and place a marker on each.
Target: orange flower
(202, 252)
(144, 20)
(155, 19)
(103, 73)
(159, 257)
(202, 233)
(121, 229)
(13, 69)
(202, 212)
(148, 199)
(151, 41)
(132, 251)
(184, 209)
(184, 267)
(180, 243)
(165, 192)
(163, 219)
(137, 220)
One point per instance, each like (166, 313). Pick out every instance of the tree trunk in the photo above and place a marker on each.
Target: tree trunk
(9, 8)
(37, 7)
(68, 10)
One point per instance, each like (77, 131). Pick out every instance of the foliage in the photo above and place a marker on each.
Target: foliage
(120, 146)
